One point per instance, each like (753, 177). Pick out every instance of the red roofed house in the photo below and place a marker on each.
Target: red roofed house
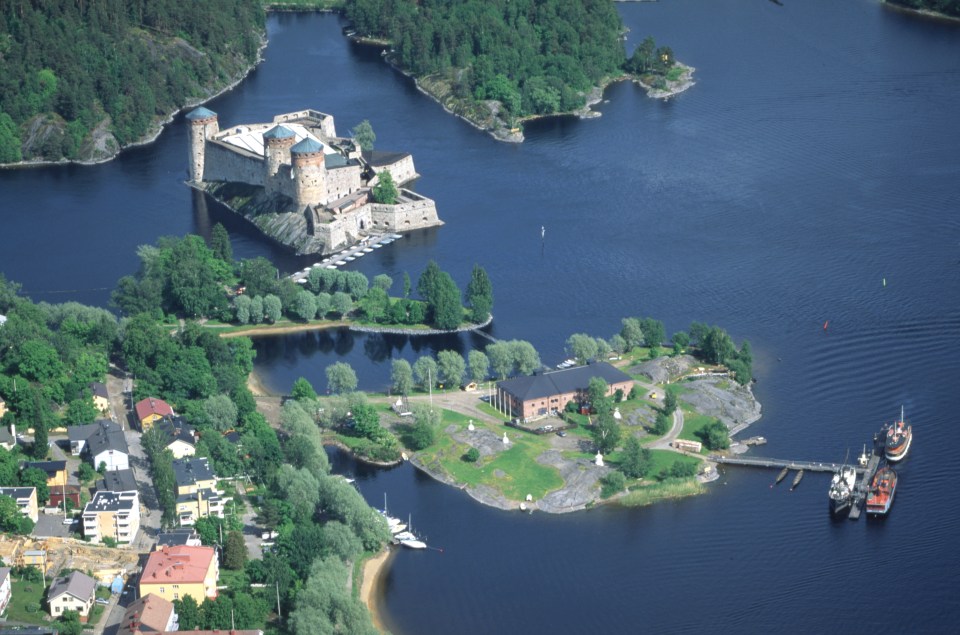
(175, 572)
(152, 409)
(149, 614)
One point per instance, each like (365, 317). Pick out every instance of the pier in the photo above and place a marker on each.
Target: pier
(810, 466)
(366, 246)
(863, 484)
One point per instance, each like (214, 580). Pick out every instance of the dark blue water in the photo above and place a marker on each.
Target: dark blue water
(815, 157)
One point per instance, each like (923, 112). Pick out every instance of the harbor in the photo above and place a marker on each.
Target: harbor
(364, 247)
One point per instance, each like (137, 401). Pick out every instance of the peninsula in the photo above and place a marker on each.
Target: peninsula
(301, 184)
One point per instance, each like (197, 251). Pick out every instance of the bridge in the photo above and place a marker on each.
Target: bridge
(756, 461)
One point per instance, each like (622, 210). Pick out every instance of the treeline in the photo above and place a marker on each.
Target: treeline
(186, 277)
(72, 65)
(946, 7)
(533, 56)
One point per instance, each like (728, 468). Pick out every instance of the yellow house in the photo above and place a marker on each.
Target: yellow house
(101, 399)
(176, 572)
(113, 515)
(150, 410)
(181, 438)
(3, 407)
(56, 471)
(193, 475)
(202, 503)
(26, 499)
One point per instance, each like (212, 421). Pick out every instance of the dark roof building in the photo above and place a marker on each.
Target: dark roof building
(176, 428)
(50, 467)
(117, 481)
(178, 537)
(192, 473)
(539, 395)
(99, 389)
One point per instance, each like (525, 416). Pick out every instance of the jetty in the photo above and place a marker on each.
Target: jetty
(809, 466)
(866, 471)
(365, 246)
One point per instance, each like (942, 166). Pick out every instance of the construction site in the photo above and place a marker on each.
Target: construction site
(52, 555)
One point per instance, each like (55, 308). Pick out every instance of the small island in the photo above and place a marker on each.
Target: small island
(499, 64)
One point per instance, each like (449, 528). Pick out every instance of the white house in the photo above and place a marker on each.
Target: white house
(101, 442)
(75, 592)
(5, 589)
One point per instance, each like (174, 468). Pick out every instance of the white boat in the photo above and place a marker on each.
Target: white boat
(414, 544)
(398, 528)
(367, 250)
(405, 535)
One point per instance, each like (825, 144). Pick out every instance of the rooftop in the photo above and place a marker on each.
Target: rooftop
(176, 428)
(278, 132)
(307, 146)
(560, 382)
(189, 471)
(176, 537)
(79, 585)
(100, 436)
(117, 481)
(149, 613)
(205, 494)
(250, 138)
(112, 502)
(99, 389)
(200, 113)
(177, 564)
(152, 406)
(50, 467)
(17, 493)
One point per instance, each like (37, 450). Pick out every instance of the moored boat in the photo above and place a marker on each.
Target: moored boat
(882, 489)
(841, 490)
(414, 544)
(898, 439)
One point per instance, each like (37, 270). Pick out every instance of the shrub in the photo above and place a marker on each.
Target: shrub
(612, 483)
(471, 456)
(618, 395)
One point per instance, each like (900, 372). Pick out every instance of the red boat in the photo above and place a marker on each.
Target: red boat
(898, 439)
(882, 489)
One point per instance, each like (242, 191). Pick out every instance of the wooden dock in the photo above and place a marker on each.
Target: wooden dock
(756, 461)
(863, 484)
(366, 246)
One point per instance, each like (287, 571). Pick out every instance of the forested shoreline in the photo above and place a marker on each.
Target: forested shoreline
(944, 7)
(83, 80)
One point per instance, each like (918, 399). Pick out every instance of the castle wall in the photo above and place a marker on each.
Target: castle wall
(414, 213)
(402, 171)
(341, 182)
(225, 164)
(310, 180)
(321, 120)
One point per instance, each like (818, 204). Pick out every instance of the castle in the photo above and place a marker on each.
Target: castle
(302, 184)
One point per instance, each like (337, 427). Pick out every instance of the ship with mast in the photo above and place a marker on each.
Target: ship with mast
(898, 438)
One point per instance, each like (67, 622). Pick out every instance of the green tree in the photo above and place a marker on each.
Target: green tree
(714, 435)
(324, 302)
(272, 308)
(605, 433)
(669, 402)
(597, 389)
(342, 303)
(303, 390)
(385, 191)
(406, 284)
(9, 140)
(241, 307)
(382, 281)
(69, 623)
(188, 613)
(341, 378)
(582, 347)
(653, 332)
(35, 477)
(501, 358)
(220, 243)
(479, 295)
(364, 136)
(325, 605)
(425, 372)
(220, 412)
(423, 432)
(300, 489)
(631, 332)
(256, 310)
(445, 303)
(717, 347)
(451, 368)
(81, 411)
(525, 357)
(636, 458)
(366, 422)
(235, 551)
(479, 365)
(401, 377)
(680, 341)
(375, 304)
(304, 305)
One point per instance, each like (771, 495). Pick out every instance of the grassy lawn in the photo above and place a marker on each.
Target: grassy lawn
(521, 474)
(233, 579)
(693, 422)
(26, 594)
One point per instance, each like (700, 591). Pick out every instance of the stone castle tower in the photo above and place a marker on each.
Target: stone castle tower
(276, 146)
(203, 125)
(309, 174)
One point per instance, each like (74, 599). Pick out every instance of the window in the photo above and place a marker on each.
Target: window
(176, 596)
(162, 590)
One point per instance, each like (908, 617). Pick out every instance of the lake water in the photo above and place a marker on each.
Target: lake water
(815, 159)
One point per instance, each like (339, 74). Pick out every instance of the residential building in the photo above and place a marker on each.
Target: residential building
(202, 503)
(101, 399)
(181, 438)
(193, 475)
(176, 572)
(183, 536)
(5, 589)
(8, 438)
(112, 515)
(102, 442)
(3, 407)
(542, 394)
(56, 471)
(149, 614)
(70, 493)
(26, 499)
(117, 481)
(151, 410)
(74, 592)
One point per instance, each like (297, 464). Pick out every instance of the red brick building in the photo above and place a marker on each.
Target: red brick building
(539, 395)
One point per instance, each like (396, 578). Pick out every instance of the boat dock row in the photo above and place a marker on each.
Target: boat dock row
(365, 246)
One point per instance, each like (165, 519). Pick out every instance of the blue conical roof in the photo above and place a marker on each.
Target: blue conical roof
(200, 113)
(278, 132)
(306, 146)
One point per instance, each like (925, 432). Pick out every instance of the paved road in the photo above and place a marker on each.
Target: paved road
(666, 442)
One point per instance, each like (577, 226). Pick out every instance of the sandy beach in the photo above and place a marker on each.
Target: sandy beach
(373, 570)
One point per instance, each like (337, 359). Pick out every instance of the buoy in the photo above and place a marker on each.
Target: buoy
(884, 282)
(826, 324)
